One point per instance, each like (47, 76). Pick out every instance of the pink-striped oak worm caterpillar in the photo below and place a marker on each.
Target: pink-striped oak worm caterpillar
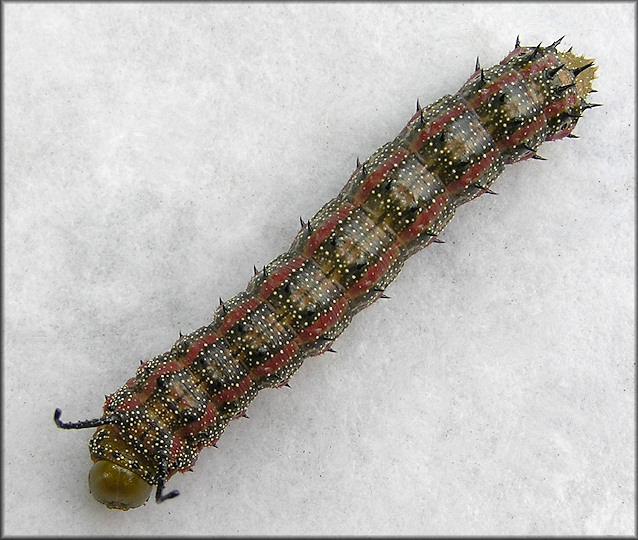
(395, 203)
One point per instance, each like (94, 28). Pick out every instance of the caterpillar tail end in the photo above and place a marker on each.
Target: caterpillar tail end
(117, 487)
(584, 69)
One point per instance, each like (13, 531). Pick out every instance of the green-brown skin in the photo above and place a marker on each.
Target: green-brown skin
(341, 261)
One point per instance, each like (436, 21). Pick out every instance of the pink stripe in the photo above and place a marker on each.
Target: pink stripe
(326, 228)
(373, 274)
(375, 177)
(435, 126)
(473, 173)
(424, 219)
(277, 361)
(323, 323)
(279, 276)
(237, 313)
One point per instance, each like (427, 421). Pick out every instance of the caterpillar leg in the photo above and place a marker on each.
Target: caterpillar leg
(159, 493)
(80, 425)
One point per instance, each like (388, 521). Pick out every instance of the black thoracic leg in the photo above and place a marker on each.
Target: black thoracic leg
(83, 424)
(159, 496)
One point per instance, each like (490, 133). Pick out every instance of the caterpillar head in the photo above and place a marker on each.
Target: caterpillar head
(117, 487)
(112, 479)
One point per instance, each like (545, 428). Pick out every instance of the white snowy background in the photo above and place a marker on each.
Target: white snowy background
(154, 153)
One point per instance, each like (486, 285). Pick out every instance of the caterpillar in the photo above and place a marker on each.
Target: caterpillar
(395, 203)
